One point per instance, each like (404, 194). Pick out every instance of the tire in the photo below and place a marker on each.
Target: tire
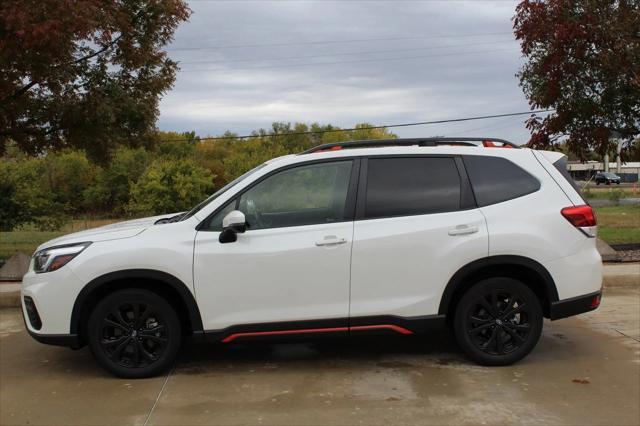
(134, 333)
(618, 183)
(498, 321)
(597, 182)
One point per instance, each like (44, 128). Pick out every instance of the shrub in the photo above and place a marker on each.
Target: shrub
(615, 195)
(112, 187)
(169, 186)
(27, 197)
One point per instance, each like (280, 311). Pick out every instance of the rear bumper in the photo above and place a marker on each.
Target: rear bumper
(575, 305)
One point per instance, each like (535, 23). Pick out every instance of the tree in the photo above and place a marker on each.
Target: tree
(112, 187)
(85, 73)
(168, 186)
(583, 60)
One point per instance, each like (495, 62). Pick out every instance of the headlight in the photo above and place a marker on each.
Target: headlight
(53, 258)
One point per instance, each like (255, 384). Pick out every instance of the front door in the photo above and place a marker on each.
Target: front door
(292, 264)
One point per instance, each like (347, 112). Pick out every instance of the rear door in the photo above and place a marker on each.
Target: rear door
(416, 225)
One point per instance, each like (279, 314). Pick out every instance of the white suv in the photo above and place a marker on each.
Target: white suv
(345, 239)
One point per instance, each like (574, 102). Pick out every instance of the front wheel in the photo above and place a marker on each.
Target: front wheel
(498, 321)
(134, 333)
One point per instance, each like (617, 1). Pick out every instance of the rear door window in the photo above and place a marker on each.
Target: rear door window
(496, 179)
(405, 186)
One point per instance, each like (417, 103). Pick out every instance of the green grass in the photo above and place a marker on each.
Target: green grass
(608, 192)
(27, 239)
(619, 224)
(24, 241)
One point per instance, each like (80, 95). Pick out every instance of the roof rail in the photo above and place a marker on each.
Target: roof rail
(482, 142)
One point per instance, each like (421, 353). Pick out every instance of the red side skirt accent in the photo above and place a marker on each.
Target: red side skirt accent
(396, 328)
(232, 337)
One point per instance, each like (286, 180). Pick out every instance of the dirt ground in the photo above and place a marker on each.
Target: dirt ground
(585, 370)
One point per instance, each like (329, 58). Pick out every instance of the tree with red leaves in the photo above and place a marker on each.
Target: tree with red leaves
(583, 60)
(84, 73)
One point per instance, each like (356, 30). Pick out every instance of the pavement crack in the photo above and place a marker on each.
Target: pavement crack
(164, 384)
(626, 335)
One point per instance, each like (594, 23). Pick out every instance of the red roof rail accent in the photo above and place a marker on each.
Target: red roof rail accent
(333, 148)
(437, 141)
(490, 144)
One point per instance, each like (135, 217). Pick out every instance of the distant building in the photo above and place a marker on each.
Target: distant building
(629, 172)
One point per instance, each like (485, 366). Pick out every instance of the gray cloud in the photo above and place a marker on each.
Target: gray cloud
(246, 64)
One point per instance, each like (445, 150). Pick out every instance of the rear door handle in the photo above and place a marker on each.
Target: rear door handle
(463, 230)
(330, 240)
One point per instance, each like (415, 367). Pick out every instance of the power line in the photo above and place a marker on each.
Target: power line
(305, 43)
(353, 61)
(419, 123)
(362, 52)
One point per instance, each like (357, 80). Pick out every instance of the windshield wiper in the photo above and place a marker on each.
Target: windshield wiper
(171, 219)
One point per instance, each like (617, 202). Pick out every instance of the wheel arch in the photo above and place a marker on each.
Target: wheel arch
(162, 283)
(532, 273)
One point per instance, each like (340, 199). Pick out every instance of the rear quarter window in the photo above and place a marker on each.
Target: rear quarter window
(561, 166)
(496, 179)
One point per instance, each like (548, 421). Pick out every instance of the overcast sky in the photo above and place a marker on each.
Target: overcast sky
(245, 64)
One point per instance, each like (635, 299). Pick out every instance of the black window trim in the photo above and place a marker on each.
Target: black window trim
(467, 198)
(350, 203)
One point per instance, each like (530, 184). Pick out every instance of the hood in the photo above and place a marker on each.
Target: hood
(114, 231)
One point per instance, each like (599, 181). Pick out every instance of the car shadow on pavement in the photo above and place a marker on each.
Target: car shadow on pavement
(440, 346)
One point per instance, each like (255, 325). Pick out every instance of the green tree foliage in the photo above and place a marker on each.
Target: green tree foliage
(112, 187)
(179, 172)
(85, 74)
(583, 60)
(170, 185)
(26, 195)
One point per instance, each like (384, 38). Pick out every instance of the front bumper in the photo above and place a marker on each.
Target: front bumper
(575, 305)
(69, 340)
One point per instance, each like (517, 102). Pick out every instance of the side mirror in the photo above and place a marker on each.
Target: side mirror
(232, 224)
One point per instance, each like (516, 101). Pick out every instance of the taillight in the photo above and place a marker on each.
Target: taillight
(582, 217)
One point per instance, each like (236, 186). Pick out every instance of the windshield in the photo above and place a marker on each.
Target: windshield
(610, 175)
(220, 191)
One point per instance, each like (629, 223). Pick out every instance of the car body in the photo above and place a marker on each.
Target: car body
(356, 238)
(607, 178)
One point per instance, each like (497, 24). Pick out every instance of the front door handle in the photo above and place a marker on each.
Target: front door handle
(330, 240)
(463, 230)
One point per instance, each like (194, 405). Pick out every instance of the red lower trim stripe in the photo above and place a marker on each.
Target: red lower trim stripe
(232, 337)
(396, 328)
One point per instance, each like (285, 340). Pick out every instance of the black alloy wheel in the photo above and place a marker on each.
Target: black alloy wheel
(134, 333)
(498, 321)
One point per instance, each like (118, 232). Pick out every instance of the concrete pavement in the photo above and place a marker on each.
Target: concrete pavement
(585, 370)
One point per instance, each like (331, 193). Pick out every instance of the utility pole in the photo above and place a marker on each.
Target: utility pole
(618, 162)
(615, 137)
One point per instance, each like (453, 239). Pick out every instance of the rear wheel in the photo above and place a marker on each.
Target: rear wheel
(134, 333)
(498, 321)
